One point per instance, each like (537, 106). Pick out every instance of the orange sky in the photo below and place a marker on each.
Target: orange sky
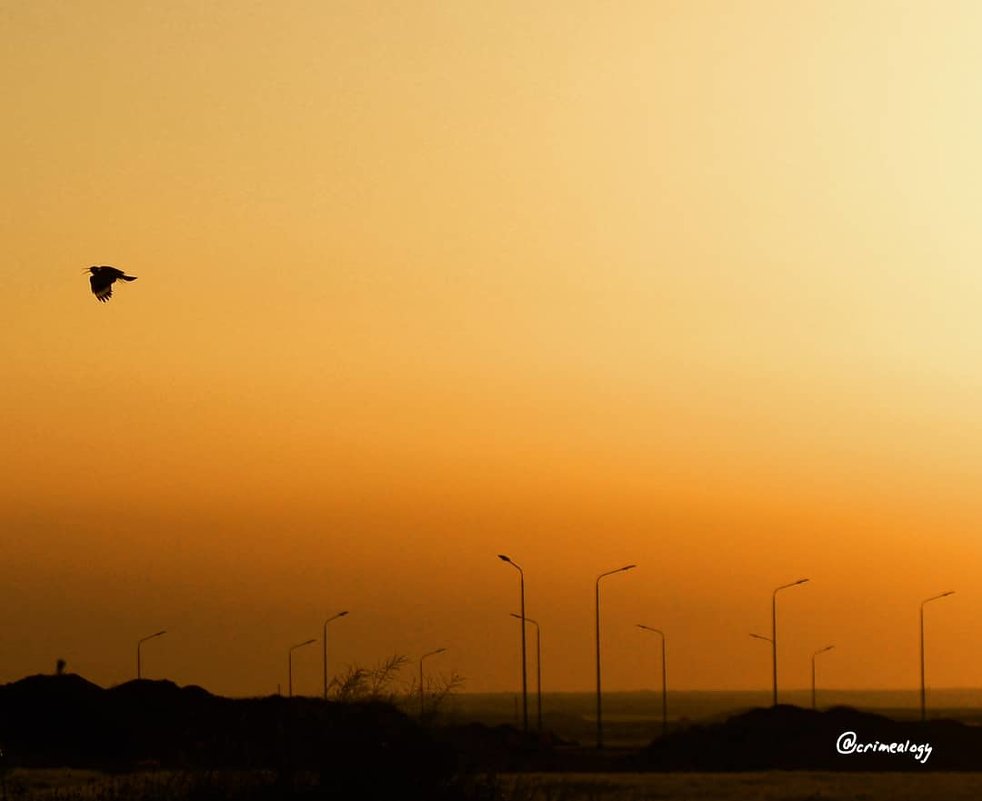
(691, 285)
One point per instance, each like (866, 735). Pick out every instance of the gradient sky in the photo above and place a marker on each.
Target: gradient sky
(694, 285)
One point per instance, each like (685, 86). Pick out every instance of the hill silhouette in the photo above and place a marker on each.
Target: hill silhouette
(357, 749)
(789, 737)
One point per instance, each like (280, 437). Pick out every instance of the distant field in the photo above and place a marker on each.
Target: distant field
(769, 786)
(65, 784)
(72, 785)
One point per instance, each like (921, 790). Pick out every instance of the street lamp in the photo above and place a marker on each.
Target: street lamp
(600, 725)
(774, 627)
(923, 694)
(290, 661)
(421, 691)
(820, 651)
(139, 671)
(664, 678)
(761, 637)
(538, 666)
(335, 617)
(525, 692)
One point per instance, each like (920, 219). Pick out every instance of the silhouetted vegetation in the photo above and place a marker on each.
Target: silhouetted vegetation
(379, 683)
(359, 683)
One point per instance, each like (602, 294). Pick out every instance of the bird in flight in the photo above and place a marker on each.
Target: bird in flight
(102, 280)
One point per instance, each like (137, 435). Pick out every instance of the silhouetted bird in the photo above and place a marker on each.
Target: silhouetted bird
(102, 280)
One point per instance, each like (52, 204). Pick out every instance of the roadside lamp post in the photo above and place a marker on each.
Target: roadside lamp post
(525, 692)
(761, 637)
(538, 668)
(820, 651)
(923, 692)
(139, 668)
(774, 628)
(600, 724)
(664, 678)
(335, 617)
(290, 663)
(421, 690)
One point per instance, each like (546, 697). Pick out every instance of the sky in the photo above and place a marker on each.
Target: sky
(690, 285)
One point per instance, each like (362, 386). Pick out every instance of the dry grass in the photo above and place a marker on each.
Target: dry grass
(66, 784)
(765, 786)
(85, 785)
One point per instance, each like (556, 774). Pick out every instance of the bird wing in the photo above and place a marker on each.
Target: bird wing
(102, 286)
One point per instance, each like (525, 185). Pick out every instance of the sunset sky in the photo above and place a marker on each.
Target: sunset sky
(692, 285)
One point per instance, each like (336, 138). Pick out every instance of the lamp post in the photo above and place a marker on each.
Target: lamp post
(335, 617)
(139, 670)
(290, 662)
(421, 691)
(820, 651)
(600, 724)
(923, 693)
(525, 693)
(761, 637)
(664, 678)
(538, 668)
(774, 628)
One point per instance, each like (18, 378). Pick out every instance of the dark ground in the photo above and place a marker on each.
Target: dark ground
(309, 748)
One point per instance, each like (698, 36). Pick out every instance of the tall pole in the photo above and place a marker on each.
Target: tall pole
(774, 628)
(923, 692)
(538, 669)
(421, 690)
(538, 676)
(664, 679)
(761, 637)
(525, 691)
(600, 724)
(290, 665)
(820, 651)
(324, 640)
(139, 667)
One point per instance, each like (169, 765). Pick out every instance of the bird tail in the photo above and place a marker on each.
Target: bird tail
(128, 277)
